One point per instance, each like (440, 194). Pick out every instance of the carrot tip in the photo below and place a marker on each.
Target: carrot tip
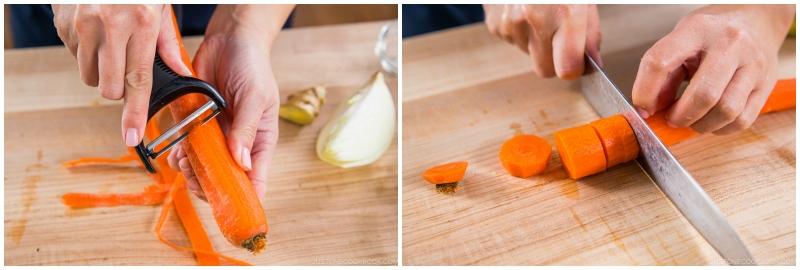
(256, 244)
(447, 188)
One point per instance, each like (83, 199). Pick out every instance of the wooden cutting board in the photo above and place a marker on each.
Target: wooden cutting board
(318, 213)
(465, 92)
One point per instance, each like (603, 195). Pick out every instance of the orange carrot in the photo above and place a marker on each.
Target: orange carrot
(619, 142)
(525, 155)
(581, 151)
(230, 194)
(782, 97)
(446, 173)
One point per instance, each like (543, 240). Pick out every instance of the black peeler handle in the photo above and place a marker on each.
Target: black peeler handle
(167, 87)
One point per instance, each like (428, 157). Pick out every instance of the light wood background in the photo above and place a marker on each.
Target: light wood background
(318, 214)
(465, 92)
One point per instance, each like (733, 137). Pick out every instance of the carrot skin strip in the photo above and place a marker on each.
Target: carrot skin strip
(191, 224)
(93, 161)
(83, 200)
(162, 218)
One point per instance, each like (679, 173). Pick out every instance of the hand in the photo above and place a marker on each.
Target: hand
(235, 59)
(555, 36)
(115, 46)
(729, 53)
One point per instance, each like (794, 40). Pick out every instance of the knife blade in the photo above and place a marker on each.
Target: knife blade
(662, 167)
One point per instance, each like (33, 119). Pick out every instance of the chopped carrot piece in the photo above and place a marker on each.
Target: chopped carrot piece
(619, 141)
(446, 173)
(581, 151)
(782, 97)
(525, 155)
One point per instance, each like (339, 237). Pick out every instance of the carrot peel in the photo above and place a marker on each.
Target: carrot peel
(198, 238)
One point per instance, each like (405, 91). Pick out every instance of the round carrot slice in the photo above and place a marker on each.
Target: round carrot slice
(618, 140)
(581, 151)
(446, 173)
(525, 155)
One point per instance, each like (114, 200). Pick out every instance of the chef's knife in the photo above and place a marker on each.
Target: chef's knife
(679, 186)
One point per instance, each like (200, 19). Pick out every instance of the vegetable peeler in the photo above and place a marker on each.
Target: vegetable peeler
(167, 87)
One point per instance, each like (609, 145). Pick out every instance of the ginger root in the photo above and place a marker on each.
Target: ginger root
(301, 108)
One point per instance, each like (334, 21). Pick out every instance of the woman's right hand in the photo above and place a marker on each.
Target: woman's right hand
(555, 36)
(115, 46)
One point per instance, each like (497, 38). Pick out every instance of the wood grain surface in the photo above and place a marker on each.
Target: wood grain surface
(318, 214)
(465, 92)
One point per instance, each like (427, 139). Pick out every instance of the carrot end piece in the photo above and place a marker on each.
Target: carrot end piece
(256, 244)
(446, 173)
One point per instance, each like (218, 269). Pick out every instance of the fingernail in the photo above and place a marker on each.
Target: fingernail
(132, 137)
(644, 114)
(246, 159)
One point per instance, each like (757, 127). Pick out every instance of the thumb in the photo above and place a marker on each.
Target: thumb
(244, 127)
(168, 45)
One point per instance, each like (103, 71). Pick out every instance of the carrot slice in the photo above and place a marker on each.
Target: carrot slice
(619, 142)
(581, 151)
(783, 96)
(446, 173)
(525, 155)
(227, 187)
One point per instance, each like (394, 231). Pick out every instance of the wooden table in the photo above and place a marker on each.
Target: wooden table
(465, 92)
(318, 214)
